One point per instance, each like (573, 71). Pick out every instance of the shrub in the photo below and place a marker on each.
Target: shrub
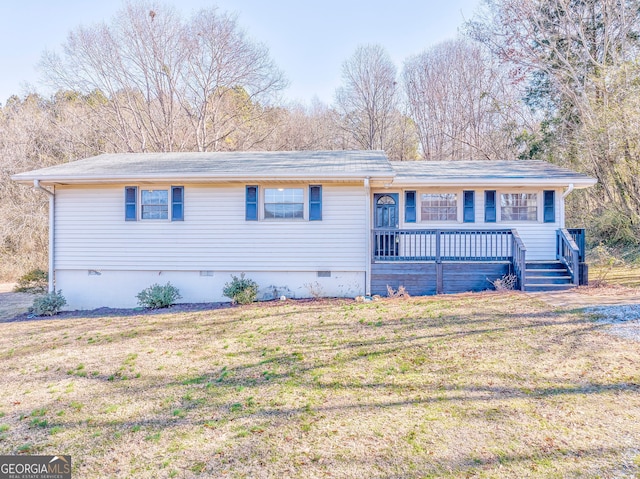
(508, 282)
(49, 304)
(614, 228)
(35, 281)
(604, 260)
(156, 296)
(241, 290)
(400, 293)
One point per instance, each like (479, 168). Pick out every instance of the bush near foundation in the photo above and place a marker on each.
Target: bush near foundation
(157, 296)
(49, 304)
(241, 290)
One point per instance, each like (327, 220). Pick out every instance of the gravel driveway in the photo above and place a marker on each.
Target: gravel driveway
(13, 304)
(615, 307)
(584, 297)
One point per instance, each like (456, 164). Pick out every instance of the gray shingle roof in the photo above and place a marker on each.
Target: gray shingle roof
(222, 165)
(486, 172)
(302, 165)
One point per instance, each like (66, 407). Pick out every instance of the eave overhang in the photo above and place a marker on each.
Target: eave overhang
(50, 180)
(577, 182)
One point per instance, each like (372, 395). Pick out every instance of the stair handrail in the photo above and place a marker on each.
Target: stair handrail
(519, 258)
(578, 235)
(567, 252)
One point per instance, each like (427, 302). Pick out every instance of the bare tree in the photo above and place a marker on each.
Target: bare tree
(367, 101)
(34, 133)
(230, 80)
(578, 60)
(169, 84)
(301, 127)
(463, 104)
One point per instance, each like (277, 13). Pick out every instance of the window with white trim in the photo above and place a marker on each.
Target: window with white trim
(438, 207)
(518, 207)
(154, 204)
(284, 203)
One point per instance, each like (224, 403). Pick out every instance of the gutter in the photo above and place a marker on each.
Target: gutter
(52, 204)
(367, 225)
(489, 182)
(26, 178)
(564, 195)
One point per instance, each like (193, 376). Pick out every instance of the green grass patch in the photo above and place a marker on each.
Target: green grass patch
(487, 385)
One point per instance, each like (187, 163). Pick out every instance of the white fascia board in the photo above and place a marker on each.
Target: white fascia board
(484, 183)
(93, 180)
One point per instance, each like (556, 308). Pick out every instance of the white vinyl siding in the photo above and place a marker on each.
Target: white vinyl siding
(91, 233)
(539, 237)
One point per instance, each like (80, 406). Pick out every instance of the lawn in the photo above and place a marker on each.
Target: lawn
(626, 275)
(475, 385)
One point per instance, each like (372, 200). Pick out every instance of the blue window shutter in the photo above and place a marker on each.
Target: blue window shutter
(177, 203)
(409, 206)
(315, 203)
(549, 206)
(130, 203)
(469, 214)
(490, 206)
(251, 205)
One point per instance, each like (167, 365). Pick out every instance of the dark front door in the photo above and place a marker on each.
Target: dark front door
(386, 218)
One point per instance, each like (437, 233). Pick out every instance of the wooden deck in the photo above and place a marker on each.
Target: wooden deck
(451, 261)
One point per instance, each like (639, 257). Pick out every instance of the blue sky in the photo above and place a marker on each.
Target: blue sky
(308, 39)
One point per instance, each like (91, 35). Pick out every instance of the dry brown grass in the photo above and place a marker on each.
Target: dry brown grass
(483, 385)
(625, 275)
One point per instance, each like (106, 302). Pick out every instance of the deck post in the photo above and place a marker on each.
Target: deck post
(576, 268)
(439, 282)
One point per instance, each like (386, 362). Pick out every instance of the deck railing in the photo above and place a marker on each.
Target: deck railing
(519, 259)
(442, 245)
(579, 237)
(568, 252)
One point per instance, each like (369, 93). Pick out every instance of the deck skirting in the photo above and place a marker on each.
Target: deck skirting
(426, 278)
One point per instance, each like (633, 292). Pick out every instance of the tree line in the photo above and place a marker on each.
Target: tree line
(557, 80)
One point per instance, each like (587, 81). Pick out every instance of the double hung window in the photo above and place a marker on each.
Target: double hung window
(283, 203)
(154, 204)
(438, 207)
(518, 207)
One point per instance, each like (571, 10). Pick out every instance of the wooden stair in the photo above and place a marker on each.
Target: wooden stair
(547, 276)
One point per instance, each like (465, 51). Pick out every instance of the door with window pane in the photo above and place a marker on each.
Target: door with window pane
(386, 217)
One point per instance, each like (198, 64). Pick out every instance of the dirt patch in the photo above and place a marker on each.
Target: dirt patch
(13, 304)
(582, 297)
(7, 287)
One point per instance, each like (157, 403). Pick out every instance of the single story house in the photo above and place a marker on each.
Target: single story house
(304, 223)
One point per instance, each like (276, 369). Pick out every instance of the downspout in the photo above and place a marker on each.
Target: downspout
(52, 203)
(564, 195)
(367, 223)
